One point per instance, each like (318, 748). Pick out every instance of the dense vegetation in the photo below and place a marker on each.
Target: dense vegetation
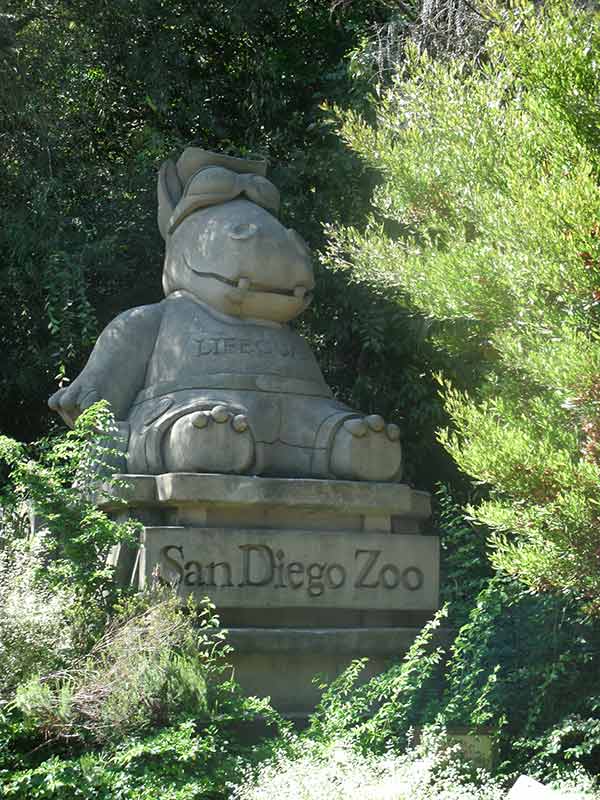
(446, 169)
(492, 178)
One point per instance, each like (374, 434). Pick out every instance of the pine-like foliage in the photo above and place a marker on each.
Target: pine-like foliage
(488, 219)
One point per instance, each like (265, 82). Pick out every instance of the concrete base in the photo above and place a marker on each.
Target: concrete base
(286, 562)
(290, 658)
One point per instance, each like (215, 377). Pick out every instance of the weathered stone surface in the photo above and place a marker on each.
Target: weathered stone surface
(283, 636)
(376, 500)
(355, 642)
(267, 568)
(212, 379)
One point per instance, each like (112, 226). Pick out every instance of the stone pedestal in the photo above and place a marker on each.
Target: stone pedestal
(306, 574)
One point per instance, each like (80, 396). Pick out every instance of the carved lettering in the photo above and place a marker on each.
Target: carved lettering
(258, 565)
(314, 573)
(226, 571)
(390, 576)
(171, 562)
(340, 580)
(280, 556)
(413, 578)
(295, 568)
(372, 557)
(268, 564)
(193, 573)
(207, 346)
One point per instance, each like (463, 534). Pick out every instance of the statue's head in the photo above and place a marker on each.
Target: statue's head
(224, 243)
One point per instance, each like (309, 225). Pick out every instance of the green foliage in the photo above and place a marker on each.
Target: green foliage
(145, 670)
(379, 713)
(55, 587)
(522, 666)
(104, 693)
(486, 220)
(58, 490)
(574, 740)
(184, 761)
(464, 570)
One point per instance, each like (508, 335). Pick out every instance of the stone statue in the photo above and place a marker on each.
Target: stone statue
(212, 379)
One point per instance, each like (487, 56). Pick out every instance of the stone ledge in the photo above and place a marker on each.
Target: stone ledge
(345, 497)
(355, 642)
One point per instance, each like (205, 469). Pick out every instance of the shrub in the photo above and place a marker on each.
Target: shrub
(59, 482)
(56, 591)
(380, 712)
(184, 761)
(313, 772)
(144, 671)
(486, 222)
(571, 744)
(36, 630)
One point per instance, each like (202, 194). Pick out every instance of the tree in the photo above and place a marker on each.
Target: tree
(487, 219)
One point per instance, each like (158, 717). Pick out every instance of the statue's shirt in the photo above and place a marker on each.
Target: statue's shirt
(201, 357)
(197, 347)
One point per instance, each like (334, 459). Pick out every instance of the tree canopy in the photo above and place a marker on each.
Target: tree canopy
(490, 178)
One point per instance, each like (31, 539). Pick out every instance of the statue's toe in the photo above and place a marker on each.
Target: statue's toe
(200, 420)
(375, 422)
(357, 427)
(240, 423)
(393, 432)
(366, 449)
(220, 414)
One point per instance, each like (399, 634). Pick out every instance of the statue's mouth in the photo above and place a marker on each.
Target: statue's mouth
(245, 285)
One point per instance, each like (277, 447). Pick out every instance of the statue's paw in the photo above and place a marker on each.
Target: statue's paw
(366, 449)
(70, 401)
(212, 440)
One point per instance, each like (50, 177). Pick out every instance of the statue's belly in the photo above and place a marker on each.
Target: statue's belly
(266, 373)
(196, 349)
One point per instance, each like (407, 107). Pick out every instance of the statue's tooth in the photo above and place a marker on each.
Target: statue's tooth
(299, 292)
(243, 284)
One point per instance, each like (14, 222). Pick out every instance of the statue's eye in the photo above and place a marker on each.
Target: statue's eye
(242, 230)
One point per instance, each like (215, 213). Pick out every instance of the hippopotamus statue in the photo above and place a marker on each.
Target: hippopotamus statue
(212, 379)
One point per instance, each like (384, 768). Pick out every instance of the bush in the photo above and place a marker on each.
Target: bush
(486, 223)
(185, 761)
(143, 672)
(55, 588)
(106, 693)
(36, 630)
(379, 713)
(58, 483)
(431, 770)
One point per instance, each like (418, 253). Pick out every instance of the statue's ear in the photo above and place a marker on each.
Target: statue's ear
(169, 191)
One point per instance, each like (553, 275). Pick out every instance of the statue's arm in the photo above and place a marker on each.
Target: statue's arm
(116, 368)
